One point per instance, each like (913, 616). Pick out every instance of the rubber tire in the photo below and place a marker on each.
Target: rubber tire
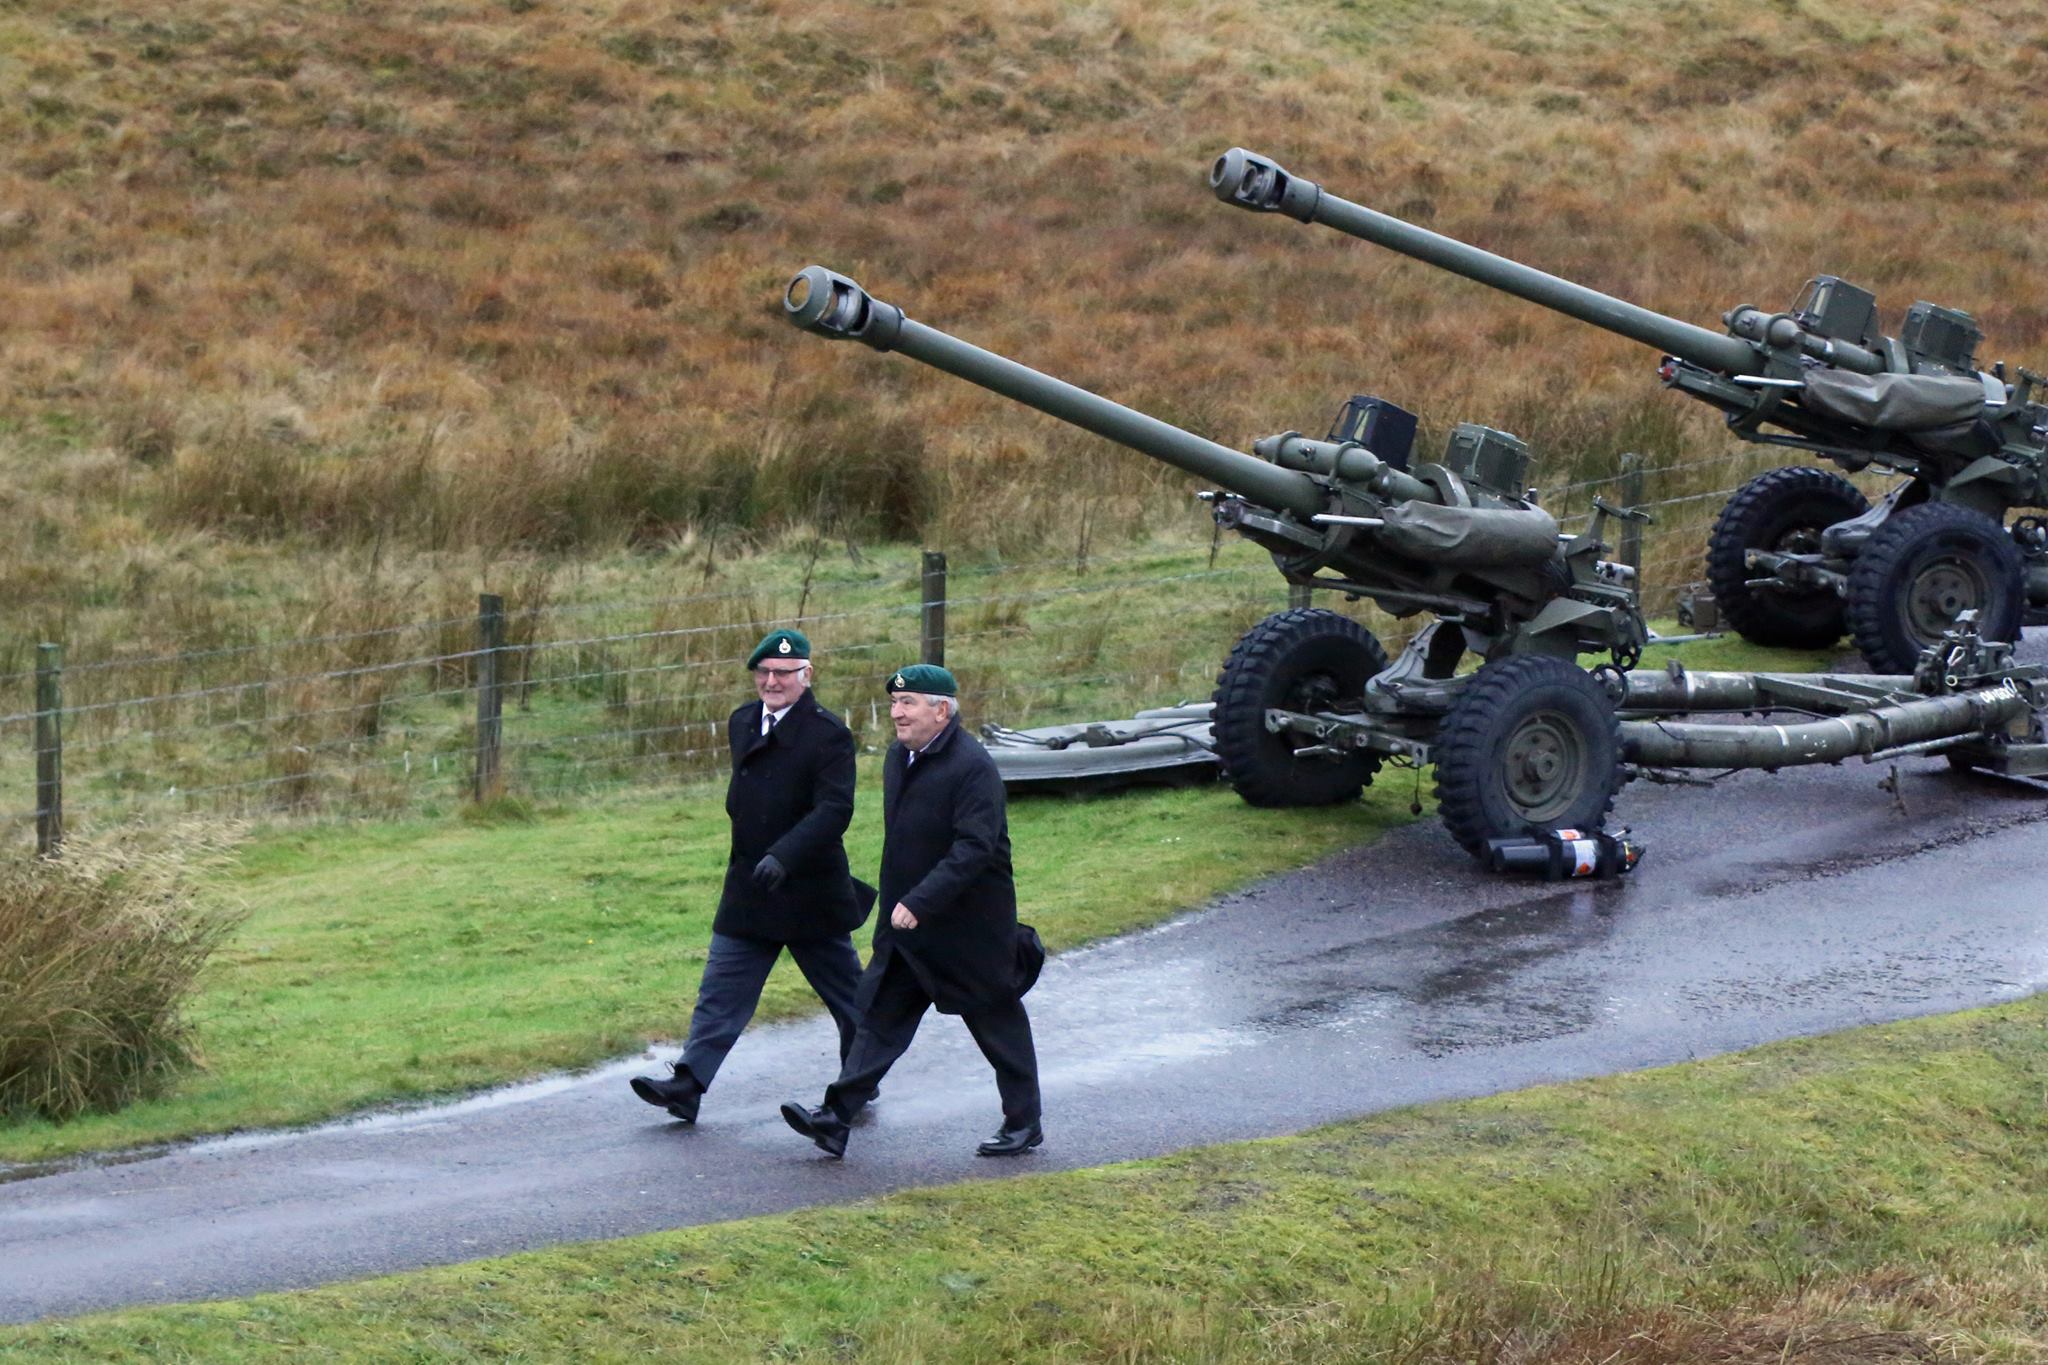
(1900, 551)
(1780, 509)
(1306, 649)
(1474, 740)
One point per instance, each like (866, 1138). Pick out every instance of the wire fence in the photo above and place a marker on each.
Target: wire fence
(593, 694)
(599, 694)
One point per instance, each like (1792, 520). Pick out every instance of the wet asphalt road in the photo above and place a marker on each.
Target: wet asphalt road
(1769, 906)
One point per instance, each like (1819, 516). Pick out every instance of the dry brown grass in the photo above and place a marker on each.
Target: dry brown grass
(1889, 1315)
(482, 278)
(99, 951)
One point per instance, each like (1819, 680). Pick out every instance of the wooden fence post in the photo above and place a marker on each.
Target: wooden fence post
(49, 749)
(1632, 531)
(490, 700)
(931, 629)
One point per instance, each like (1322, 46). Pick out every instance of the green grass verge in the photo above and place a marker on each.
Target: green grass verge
(1875, 1195)
(399, 961)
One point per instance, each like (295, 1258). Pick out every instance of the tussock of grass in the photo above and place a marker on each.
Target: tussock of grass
(1870, 1196)
(100, 952)
(501, 809)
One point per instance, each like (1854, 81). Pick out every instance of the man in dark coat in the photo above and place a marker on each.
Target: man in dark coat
(950, 938)
(790, 799)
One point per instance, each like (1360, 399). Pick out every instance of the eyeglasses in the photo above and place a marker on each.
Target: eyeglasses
(766, 673)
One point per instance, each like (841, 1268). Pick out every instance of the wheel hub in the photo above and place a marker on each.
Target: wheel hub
(1314, 692)
(1545, 765)
(1799, 540)
(1941, 592)
(1310, 694)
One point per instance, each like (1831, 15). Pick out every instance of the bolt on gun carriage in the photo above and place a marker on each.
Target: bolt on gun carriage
(1308, 705)
(1798, 554)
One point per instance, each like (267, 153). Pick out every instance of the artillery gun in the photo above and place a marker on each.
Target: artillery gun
(1798, 553)
(1355, 513)
(1308, 706)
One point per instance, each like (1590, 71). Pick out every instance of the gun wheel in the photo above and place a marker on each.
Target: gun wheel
(1924, 567)
(1531, 742)
(1307, 659)
(1782, 510)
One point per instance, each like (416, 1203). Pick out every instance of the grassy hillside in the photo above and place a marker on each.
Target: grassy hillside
(300, 290)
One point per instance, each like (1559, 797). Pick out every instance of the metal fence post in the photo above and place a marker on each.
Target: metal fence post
(931, 630)
(490, 700)
(1632, 497)
(49, 749)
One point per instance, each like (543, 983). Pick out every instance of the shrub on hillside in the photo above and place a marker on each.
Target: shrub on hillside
(99, 951)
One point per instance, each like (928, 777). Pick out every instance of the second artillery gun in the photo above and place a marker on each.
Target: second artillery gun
(1798, 553)
(1308, 706)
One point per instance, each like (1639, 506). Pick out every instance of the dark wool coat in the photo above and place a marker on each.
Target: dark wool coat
(946, 855)
(791, 794)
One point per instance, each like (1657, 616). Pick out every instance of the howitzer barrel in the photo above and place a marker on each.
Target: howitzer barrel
(1253, 182)
(1920, 720)
(819, 300)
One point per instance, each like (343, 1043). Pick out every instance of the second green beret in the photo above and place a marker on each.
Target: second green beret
(927, 678)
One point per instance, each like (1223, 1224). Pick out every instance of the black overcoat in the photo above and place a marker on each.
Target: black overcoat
(791, 794)
(946, 855)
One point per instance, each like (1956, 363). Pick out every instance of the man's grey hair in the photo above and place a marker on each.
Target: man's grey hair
(952, 703)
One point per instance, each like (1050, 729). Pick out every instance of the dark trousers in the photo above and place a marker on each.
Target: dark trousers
(895, 1005)
(734, 972)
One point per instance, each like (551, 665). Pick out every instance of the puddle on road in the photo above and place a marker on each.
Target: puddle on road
(1186, 1045)
(2024, 808)
(1884, 983)
(1464, 984)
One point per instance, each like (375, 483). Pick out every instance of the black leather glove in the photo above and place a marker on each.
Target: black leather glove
(769, 873)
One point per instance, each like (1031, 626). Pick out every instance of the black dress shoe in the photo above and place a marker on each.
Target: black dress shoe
(1012, 1141)
(820, 1125)
(679, 1094)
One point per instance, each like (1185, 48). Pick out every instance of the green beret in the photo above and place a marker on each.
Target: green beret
(927, 678)
(780, 644)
